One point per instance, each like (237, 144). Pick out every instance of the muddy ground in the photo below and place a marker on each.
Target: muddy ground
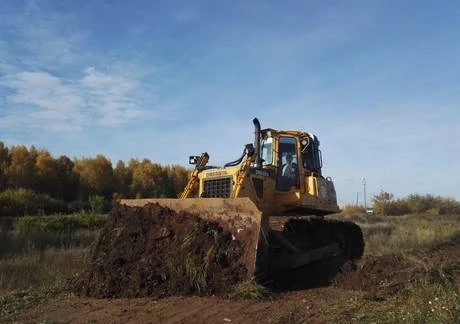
(309, 301)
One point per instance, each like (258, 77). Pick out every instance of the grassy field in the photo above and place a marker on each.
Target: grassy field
(424, 300)
(398, 234)
(38, 256)
(434, 296)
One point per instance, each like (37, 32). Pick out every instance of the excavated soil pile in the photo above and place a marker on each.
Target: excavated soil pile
(382, 276)
(154, 251)
(379, 276)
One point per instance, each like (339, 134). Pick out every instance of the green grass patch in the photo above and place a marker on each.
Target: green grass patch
(27, 234)
(425, 300)
(58, 223)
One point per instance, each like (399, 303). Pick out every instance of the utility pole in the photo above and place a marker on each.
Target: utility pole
(357, 198)
(364, 187)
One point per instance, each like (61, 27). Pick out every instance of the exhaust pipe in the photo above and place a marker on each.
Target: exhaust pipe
(257, 142)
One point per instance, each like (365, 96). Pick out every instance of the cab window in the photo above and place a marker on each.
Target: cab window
(266, 151)
(288, 174)
(311, 156)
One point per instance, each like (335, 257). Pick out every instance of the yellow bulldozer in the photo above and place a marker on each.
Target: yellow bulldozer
(274, 200)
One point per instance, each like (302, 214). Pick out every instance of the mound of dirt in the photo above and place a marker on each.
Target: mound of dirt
(154, 251)
(382, 276)
(378, 275)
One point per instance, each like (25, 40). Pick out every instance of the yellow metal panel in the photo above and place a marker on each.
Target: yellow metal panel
(312, 185)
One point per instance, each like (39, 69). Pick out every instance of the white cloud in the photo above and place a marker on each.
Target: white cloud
(46, 83)
(96, 80)
(43, 90)
(54, 103)
(115, 96)
(41, 100)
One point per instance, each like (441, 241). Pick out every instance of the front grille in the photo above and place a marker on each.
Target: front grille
(217, 188)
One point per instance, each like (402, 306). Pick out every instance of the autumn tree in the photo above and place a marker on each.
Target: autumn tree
(68, 179)
(123, 178)
(147, 178)
(177, 180)
(381, 202)
(96, 177)
(4, 163)
(132, 165)
(47, 173)
(21, 172)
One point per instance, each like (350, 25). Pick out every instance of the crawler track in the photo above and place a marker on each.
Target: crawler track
(307, 233)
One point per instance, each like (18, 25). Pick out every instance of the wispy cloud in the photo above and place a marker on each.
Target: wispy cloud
(43, 90)
(49, 83)
(42, 100)
(112, 96)
(41, 39)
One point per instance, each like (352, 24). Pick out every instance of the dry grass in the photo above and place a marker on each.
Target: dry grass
(36, 278)
(429, 299)
(396, 234)
(41, 269)
(36, 265)
(252, 290)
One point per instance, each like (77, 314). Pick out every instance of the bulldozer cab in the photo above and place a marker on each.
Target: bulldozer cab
(298, 157)
(294, 158)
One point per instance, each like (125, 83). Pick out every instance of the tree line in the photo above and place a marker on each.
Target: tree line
(32, 180)
(385, 203)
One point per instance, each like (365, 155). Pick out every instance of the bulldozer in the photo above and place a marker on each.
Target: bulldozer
(274, 200)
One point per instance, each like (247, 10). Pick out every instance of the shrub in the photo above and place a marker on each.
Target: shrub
(98, 204)
(384, 204)
(353, 210)
(77, 206)
(19, 202)
(58, 223)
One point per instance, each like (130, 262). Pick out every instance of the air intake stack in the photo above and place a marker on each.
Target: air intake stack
(257, 142)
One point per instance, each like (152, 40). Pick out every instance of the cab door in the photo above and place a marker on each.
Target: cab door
(288, 164)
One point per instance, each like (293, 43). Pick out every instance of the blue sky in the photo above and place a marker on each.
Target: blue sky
(377, 81)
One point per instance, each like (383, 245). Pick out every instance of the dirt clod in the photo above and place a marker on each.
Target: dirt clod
(154, 251)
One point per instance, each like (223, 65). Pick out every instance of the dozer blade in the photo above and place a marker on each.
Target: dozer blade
(239, 216)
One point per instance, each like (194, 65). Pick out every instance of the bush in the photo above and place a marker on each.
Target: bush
(98, 204)
(20, 202)
(58, 223)
(384, 204)
(353, 210)
(77, 206)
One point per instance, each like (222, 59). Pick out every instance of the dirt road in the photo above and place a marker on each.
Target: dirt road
(308, 306)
